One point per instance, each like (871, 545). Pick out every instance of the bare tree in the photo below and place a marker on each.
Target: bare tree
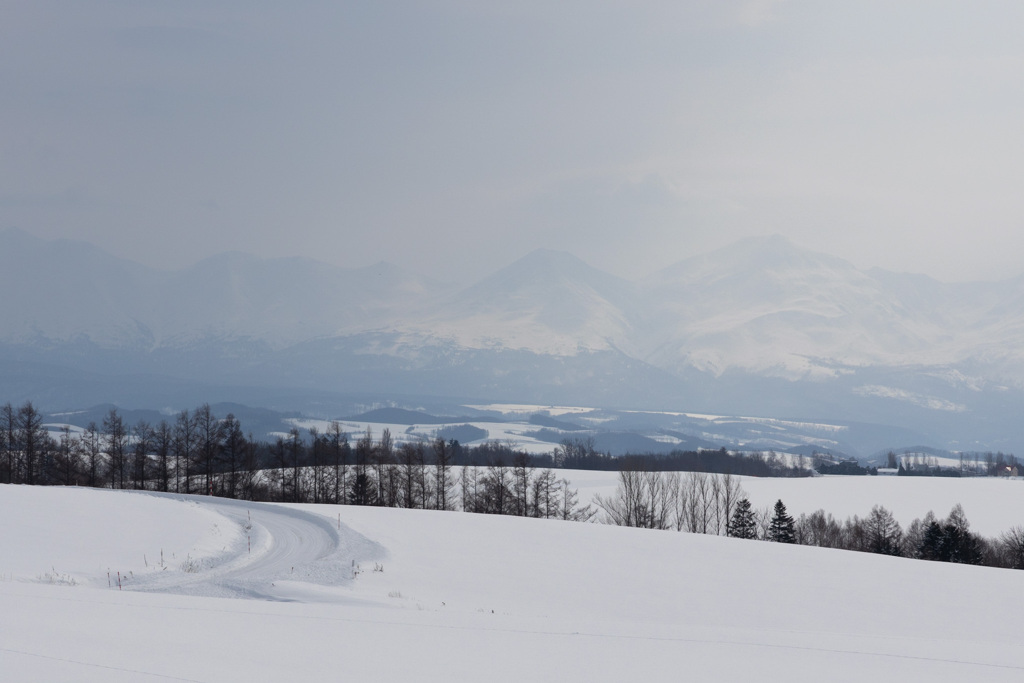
(545, 503)
(184, 450)
(67, 459)
(643, 498)
(116, 437)
(232, 455)
(364, 457)
(679, 500)
(1012, 546)
(424, 482)
(884, 535)
(497, 487)
(763, 518)
(383, 456)
(294, 454)
(819, 529)
(92, 449)
(318, 463)
(249, 485)
(209, 435)
(31, 438)
(570, 509)
(442, 474)
(625, 507)
(409, 462)
(339, 458)
(574, 453)
(8, 449)
(729, 492)
(471, 481)
(855, 535)
(142, 446)
(163, 446)
(520, 502)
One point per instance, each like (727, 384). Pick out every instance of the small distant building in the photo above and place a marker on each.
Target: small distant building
(888, 471)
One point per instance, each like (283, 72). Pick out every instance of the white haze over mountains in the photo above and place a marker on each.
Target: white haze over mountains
(762, 305)
(760, 327)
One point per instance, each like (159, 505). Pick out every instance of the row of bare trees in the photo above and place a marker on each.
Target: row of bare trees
(198, 452)
(422, 474)
(697, 502)
(195, 453)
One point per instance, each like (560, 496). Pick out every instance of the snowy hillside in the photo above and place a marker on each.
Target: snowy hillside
(547, 302)
(764, 305)
(396, 595)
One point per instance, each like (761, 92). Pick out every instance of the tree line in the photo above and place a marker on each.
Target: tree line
(711, 503)
(196, 452)
(580, 454)
(970, 464)
(929, 538)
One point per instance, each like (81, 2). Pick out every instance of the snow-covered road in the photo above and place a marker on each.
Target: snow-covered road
(278, 549)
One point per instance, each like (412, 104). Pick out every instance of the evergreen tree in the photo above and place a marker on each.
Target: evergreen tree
(950, 541)
(781, 528)
(742, 524)
(932, 545)
(364, 491)
(961, 546)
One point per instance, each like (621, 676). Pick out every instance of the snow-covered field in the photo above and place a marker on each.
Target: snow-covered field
(343, 593)
(519, 435)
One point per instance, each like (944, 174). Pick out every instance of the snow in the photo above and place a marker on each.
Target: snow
(527, 409)
(86, 532)
(930, 402)
(992, 505)
(518, 434)
(913, 459)
(398, 595)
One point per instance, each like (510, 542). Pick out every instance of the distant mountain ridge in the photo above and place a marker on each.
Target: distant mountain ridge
(760, 327)
(79, 292)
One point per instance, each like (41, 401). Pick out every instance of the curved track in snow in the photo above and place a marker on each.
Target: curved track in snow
(277, 544)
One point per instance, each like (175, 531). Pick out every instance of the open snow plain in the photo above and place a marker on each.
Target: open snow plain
(214, 590)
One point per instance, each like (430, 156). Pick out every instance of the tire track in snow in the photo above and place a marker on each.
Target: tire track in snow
(287, 544)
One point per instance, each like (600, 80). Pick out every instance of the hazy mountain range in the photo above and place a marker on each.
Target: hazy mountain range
(761, 327)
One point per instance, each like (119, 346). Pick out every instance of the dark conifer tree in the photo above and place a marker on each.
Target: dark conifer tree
(932, 545)
(364, 491)
(743, 524)
(781, 529)
(961, 545)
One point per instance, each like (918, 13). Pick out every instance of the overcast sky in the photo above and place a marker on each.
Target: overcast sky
(453, 137)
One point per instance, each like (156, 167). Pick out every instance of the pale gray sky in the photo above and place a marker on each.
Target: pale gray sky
(454, 136)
